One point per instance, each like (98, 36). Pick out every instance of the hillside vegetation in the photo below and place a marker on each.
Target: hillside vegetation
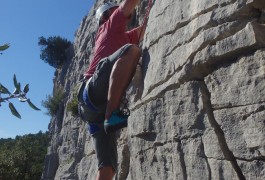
(23, 157)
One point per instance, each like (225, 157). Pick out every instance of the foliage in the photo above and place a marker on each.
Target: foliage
(17, 93)
(53, 50)
(52, 102)
(72, 106)
(4, 47)
(23, 157)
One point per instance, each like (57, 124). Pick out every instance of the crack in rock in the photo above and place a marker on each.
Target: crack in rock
(228, 154)
(182, 160)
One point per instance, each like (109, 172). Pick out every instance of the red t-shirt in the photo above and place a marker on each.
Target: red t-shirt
(111, 36)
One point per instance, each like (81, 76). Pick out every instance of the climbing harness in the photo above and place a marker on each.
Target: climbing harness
(87, 110)
(87, 98)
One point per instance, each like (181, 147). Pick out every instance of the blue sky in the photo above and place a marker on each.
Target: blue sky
(22, 23)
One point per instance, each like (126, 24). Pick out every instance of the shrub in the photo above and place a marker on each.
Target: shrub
(23, 157)
(53, 50)
(52, 102)
(72, 106)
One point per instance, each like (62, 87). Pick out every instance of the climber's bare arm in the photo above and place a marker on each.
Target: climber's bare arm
(141, 31)
(128, 6)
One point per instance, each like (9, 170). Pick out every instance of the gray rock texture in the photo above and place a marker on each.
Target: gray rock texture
(197, 102)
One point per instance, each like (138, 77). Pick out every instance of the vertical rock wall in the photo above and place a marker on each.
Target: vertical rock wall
(197, 102)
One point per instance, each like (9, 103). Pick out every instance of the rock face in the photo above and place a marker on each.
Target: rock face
(197, 103)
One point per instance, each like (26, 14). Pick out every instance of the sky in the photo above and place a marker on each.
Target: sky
(22, 22)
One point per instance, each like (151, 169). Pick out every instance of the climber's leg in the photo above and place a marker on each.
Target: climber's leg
(105, 173)
(121, 76)
(106, 151)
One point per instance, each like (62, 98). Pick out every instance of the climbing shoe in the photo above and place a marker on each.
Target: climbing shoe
(117, 120)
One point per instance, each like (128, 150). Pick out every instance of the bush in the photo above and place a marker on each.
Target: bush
(53, 50)
(52, 102)
(72, 106)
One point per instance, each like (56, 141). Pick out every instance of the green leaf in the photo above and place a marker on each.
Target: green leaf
(4, 47)
(26, 89)
(19, 87)
(13, 110)
(4, 90)
(15, 81)
(32, 105)
(16, 91)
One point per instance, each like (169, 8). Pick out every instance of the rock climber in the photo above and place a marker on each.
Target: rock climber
(116, 54)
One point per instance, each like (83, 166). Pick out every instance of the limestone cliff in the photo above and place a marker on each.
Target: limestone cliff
(197, 103)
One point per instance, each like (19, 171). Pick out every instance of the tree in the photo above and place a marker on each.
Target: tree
(53, 50)
(23, 157)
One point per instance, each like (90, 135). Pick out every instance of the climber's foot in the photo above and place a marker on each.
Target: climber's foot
(116, 121)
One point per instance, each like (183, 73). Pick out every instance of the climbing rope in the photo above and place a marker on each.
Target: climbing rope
(148, 11)
(145, 18)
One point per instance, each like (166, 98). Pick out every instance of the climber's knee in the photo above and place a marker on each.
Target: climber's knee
(135, 52)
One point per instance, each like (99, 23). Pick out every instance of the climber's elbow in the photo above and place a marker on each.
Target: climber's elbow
(128, 6)
(141, 32)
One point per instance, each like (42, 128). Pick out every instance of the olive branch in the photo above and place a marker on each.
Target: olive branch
(18, 93)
